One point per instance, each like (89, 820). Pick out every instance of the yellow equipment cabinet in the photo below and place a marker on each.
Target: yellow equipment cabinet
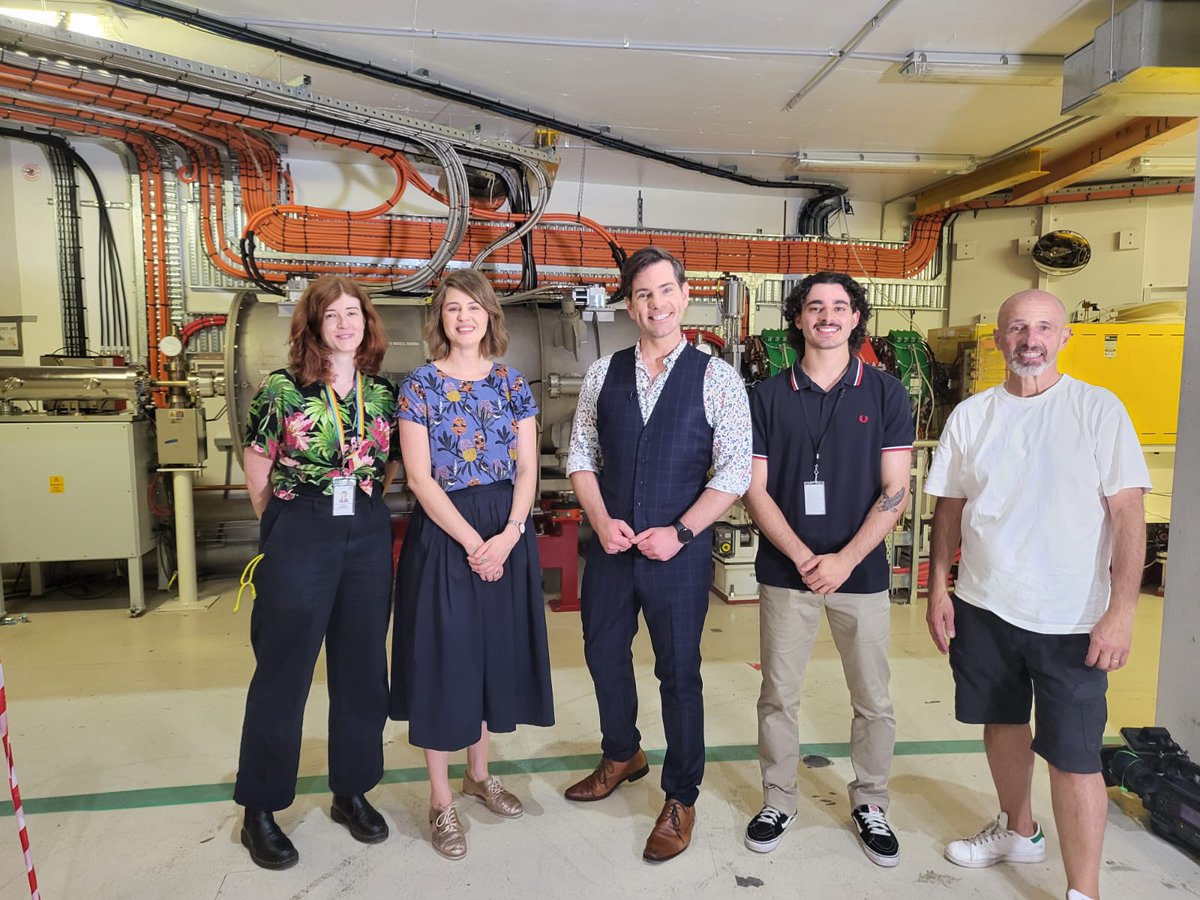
(982, 364)
(1139, 362)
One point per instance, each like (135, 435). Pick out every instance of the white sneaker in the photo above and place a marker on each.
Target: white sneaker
(994, 844)
(1073, 894)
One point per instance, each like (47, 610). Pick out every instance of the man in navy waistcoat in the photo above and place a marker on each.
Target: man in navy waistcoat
(652, 422)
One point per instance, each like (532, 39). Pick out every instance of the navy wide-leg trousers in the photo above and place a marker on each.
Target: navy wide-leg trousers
(323, 579)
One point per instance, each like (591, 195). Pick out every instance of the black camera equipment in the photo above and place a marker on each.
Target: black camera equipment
(1158, 770)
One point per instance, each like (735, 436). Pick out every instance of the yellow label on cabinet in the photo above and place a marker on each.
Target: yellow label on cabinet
(57, 485)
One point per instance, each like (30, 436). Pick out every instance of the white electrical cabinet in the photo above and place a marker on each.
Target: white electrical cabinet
(734, 550)
(76, 487)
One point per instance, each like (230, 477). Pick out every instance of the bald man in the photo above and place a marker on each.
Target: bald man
(1040, 480)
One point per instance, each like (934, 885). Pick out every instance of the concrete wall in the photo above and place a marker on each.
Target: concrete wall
(1179, 656)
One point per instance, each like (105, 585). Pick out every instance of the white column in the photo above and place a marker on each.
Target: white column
(1179, 663)
(185, 536)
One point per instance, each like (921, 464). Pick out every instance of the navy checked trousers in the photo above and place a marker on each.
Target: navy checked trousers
(673, 598)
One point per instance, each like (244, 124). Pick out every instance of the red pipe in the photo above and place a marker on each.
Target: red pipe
(186, 332)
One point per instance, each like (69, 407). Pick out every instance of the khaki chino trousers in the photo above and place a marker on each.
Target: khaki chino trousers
(860, 625)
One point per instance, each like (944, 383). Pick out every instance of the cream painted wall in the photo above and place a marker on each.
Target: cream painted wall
(1162, 226)
(31, 216)
(10, 298)
(362, 183)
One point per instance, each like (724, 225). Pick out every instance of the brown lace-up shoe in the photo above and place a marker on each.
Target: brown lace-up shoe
(672, 832)
(608, 777)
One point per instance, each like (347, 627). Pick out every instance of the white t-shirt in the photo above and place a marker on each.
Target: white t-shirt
(1036, 533)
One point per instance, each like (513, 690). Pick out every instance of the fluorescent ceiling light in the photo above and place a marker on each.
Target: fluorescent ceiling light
(981, 68)
(870, 161)
(1162, 166)
(80, 23)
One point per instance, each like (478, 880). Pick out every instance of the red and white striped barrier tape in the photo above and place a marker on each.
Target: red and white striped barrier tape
(16, 792)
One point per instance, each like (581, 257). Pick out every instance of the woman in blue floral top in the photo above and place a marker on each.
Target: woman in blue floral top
(319, 452)
(469, 651)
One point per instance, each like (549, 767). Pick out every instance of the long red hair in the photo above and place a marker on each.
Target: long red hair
(308, 357)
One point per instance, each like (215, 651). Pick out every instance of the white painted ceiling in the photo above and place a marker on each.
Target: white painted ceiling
(705, 79)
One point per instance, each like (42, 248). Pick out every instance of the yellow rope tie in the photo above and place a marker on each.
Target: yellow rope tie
(247, 581)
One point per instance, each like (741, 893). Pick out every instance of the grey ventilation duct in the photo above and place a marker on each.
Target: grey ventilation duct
(1143, 62)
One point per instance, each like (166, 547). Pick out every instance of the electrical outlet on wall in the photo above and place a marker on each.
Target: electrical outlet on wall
(964, 250)
(1025, 245)
(1129, 239)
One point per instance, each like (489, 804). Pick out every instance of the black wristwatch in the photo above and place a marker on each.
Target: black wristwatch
(684, 533)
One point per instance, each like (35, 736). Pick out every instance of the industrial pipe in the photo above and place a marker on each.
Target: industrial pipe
(73, 383)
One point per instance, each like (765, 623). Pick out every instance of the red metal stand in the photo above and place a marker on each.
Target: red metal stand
(558, 547)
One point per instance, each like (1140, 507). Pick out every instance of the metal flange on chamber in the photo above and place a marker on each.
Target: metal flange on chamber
(552, 345)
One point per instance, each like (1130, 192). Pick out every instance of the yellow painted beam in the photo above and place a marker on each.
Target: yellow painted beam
(1132, 139)
(996, 176)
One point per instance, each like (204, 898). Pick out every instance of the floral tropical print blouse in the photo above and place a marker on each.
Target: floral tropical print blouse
(294, 426)
(471, 424)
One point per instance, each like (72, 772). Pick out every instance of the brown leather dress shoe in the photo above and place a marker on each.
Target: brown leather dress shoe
(672, 832)
(608, 777)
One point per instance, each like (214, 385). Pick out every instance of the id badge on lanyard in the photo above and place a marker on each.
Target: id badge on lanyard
(343, 495)
(344, 485)
(814, 498)
(814, 491)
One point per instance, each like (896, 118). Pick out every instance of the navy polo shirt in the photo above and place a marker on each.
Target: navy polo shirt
(789, 413)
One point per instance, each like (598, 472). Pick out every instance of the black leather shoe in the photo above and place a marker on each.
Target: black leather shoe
(363, 820)
(269, 847)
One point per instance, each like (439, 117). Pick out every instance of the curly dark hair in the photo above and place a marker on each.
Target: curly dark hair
(858, 302)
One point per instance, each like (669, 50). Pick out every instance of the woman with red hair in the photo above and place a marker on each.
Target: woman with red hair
(320, 449)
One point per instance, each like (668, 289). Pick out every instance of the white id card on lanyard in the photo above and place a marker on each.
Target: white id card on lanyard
(814, 491)
(343, 486)
(343, 496)
(814, 498)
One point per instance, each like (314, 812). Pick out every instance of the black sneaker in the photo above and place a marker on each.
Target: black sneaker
(765, 829)
(876, 836)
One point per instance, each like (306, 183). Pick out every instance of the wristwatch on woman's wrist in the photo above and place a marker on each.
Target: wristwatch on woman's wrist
(520, 525)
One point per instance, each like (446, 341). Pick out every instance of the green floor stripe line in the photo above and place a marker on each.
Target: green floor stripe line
(181, 795)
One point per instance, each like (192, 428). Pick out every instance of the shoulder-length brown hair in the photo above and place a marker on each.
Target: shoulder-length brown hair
(477, 287)
(308, 357)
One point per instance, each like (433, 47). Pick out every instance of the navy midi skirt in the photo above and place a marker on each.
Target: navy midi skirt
(466, 651)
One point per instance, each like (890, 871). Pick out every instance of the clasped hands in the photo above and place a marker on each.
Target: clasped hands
(823, 573)
(488, 558)
(658, 543)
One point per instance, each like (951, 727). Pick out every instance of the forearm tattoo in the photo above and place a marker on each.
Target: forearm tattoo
(889, 503)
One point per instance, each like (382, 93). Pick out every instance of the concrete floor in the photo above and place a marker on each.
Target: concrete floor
(125, 734)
